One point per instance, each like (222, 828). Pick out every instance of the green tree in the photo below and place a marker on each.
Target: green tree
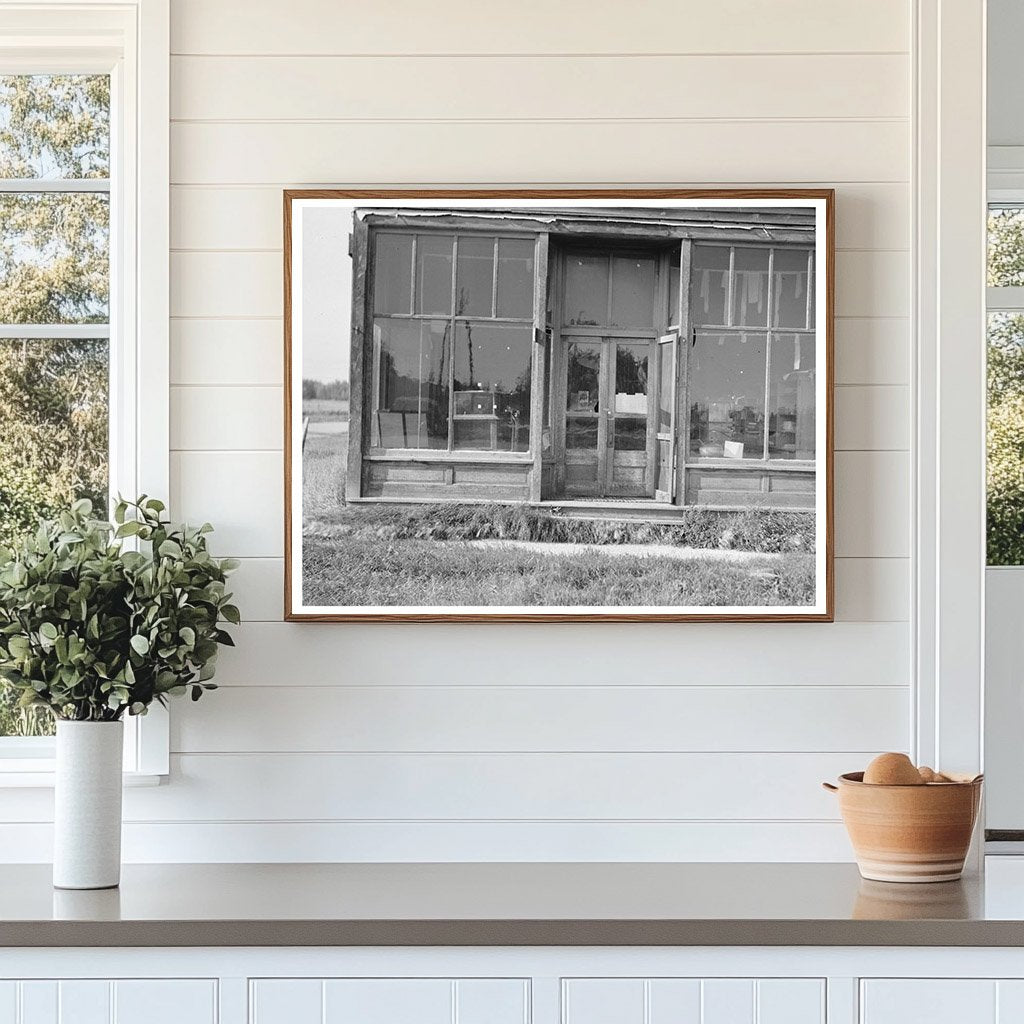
(54, 269)
(1005, 387)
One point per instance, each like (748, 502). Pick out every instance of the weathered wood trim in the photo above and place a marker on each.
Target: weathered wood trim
(683, 369)
(443, 456)
(537, 396)
(362, 306)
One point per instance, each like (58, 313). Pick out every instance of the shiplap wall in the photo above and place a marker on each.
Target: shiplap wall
(691, 741)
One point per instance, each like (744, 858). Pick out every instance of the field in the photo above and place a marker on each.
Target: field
(512, 555)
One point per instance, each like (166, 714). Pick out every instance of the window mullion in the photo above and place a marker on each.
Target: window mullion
(63, 332)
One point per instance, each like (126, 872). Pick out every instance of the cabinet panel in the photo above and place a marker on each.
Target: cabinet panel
(929, 1001)
(101, 1001)
(389, 1001)
(165, 1002)
(693, 1001)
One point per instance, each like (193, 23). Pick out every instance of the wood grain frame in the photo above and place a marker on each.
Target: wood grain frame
(825, 463)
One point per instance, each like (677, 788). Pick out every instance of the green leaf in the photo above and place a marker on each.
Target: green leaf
(48, 631)
(231, 613)
(170, 549)
(140, 644)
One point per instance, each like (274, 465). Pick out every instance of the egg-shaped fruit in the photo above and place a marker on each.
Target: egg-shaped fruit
(893, 770)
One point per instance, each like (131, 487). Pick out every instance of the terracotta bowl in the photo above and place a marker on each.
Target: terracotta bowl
(909, 833)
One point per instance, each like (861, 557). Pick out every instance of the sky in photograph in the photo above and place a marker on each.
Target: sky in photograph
(326, 292)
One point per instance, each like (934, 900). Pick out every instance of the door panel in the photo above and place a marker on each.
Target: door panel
(630, 414)
(665, 418)
(585, 421)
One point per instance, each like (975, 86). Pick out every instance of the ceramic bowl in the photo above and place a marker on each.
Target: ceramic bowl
(909, 833)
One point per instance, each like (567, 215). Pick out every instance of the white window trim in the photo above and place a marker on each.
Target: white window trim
(131, 41)
(949, 443)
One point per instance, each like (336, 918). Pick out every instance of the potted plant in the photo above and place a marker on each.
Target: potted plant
(99, 620)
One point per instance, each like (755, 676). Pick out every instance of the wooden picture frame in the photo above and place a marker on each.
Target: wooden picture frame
(411, 450)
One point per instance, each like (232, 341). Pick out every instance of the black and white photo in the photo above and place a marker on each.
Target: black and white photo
(511, 406)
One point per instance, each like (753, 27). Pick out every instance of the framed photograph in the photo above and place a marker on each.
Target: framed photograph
(558, 405)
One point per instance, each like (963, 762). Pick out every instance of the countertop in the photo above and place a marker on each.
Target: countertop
(560, 904)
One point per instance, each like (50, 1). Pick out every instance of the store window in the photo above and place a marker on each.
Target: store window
(751, 354)
(452, 341)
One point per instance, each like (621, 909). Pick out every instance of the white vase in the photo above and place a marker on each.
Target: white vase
(87, 805)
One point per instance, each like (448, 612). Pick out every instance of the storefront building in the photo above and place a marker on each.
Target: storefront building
(650, 359)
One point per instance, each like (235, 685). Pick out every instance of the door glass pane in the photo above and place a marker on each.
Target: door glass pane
(583, 368)
(434, 273)
(791, 397)
(1005, 246)
(515, 277)
(586, 290)
(709, 289)
(54, 126)
(411, 384)
(790, 274)
(54, 262)
(392, 274)
(666, 371)
(726, 385)
(1005, 478)
(475, 284)
(672, 315)
(633, 291)
(750, 291)
(631, 380)
(492, 387)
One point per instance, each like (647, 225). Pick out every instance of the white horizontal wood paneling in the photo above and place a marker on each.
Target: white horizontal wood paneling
(558, 151)
(872, 418)
(872, 499)
(406, 26)
(95, 1001)
(872, 350)
(700, 1001)
(505, 786)
(227, 352)
(868, 216)
(433, 738)
(537, 87)
(237, 418)
(611, 718)
(794, 654)
(239, 492)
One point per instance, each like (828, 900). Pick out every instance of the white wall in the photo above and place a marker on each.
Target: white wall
(692, 741)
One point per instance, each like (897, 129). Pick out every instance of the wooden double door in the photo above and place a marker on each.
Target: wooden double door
(611, 415)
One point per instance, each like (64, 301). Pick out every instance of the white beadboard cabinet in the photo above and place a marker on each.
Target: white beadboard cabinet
(513, 985)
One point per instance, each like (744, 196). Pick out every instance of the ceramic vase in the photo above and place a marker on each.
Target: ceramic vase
(87, 806)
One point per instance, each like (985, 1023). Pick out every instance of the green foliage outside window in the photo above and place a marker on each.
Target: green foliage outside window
(54, 269)
(1005, 482)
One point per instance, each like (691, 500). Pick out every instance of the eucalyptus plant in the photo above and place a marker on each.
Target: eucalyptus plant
(98, 619)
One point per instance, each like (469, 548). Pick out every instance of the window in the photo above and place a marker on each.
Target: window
(1005, 476)
(452, 342)
(55, 285)
(752, 354)
(609, 291)
(83, 254)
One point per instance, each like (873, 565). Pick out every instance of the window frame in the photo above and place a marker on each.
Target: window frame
(130, 41)
(770, 331)
(452, 319)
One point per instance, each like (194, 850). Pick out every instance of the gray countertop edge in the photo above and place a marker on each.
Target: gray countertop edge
(34, 934)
